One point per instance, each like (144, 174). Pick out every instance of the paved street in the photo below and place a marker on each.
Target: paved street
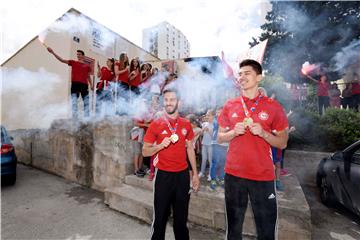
(330, 223)
(44, 206)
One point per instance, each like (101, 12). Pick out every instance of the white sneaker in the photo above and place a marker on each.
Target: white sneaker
(201, 175)
(209, 178)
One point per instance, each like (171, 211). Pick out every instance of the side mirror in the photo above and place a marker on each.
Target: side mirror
(337, 156)
(11, 138)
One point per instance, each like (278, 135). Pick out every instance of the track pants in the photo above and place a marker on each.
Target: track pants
(171, 190)
(263, 202)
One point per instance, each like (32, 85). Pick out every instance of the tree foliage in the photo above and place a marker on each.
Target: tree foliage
(335, 130)
(311, 31)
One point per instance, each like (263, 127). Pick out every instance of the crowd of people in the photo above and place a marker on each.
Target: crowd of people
(228, 145)
(119, 81)
(234, 140)
(329, 95)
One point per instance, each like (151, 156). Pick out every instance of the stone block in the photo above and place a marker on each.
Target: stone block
(41, 151)
(131, 201)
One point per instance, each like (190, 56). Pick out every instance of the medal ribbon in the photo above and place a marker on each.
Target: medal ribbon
(172, 129)
(252, 109)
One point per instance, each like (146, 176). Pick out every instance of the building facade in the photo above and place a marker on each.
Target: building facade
(166, 42)
(36, 86)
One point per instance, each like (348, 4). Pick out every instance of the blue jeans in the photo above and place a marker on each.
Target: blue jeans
(218, 161)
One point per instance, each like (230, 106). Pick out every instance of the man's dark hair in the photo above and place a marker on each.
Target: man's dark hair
(254, 64)
(81, 51)
(171, 90)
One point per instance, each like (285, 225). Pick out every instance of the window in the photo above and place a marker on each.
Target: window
(356, 157)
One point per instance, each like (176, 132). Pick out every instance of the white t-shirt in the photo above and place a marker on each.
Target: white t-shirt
(207, 135)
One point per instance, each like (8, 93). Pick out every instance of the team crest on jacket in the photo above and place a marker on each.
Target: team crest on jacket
(263, 115)
(184, 131)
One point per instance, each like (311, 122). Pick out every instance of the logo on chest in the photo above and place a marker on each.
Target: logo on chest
(184, 131)
(263, 115)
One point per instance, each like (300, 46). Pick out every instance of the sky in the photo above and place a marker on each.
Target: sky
(210, 26)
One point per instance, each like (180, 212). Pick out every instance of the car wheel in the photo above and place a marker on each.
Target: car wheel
(326, 192)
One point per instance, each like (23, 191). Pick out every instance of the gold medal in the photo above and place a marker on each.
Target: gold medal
(248, 121)
(174, 138)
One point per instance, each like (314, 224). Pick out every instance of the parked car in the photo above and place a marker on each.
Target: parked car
(8, 158)
(338, 177)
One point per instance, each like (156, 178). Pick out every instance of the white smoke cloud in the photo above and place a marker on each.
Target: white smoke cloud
(24, 91)
(348, 56)
(210, 26)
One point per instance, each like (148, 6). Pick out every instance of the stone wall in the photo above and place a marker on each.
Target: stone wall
(99, 154)
(96, 154)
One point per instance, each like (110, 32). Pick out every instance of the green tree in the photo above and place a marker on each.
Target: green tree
(307, 31)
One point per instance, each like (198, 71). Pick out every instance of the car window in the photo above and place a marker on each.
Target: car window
(356, 157)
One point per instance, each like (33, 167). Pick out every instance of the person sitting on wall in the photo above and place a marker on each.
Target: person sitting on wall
(103, 92)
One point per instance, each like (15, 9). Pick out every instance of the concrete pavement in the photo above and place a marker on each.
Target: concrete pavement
(44, 206)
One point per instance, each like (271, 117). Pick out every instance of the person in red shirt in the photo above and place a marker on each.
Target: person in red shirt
(246, 122)
(135, 76)
(145, 72)
(170, 139)
(106, 75)
(80, 80)
(322, 92)
(122, 78)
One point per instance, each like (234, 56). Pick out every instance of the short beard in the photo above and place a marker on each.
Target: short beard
(173, 111)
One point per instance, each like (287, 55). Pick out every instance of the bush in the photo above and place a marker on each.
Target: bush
(340, 127)
(334, 130)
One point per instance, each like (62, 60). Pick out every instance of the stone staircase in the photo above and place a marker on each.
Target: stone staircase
(135, 198)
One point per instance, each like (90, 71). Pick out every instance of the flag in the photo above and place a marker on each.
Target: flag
(256, 52)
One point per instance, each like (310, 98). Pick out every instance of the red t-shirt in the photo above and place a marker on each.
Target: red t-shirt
(250, 156)
(323, 89)
(136, 81)
(172, 158)
(79, 71)
(106, 76)
(123, 77)
(355, 88)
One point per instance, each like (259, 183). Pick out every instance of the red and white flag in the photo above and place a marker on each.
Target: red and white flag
(256, 52)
